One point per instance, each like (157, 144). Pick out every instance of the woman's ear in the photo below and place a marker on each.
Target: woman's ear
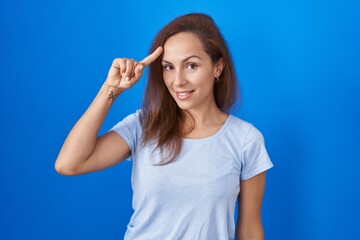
(219, 67)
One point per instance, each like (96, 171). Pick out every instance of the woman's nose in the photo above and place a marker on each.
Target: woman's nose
(180, 79)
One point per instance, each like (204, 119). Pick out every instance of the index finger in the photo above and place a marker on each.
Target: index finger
(152, 57)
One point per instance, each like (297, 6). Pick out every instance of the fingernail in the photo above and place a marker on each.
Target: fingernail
(122, 74)
(127, 79)
(141, 67)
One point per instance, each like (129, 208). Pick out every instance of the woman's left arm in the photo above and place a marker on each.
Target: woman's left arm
(249, 225)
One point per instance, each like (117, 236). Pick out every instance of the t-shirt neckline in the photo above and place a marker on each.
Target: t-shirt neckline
(213, 136)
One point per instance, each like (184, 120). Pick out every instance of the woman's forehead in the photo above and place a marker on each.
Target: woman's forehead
(183, 45)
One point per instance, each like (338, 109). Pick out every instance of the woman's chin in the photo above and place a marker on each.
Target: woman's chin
(183, 106)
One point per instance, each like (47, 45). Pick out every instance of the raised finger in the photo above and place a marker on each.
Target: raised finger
(152, 57)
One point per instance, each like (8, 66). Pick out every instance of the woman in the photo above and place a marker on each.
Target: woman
(190, 157)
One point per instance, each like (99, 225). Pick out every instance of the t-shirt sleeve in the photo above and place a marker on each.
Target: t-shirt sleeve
(129, 129)
(255, 157)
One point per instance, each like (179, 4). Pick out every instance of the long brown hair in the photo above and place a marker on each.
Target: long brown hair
(163, 120)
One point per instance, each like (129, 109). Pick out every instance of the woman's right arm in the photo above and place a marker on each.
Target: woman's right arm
(83, 151)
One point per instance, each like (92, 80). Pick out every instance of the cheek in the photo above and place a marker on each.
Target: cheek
(167, 79)
(204, 79)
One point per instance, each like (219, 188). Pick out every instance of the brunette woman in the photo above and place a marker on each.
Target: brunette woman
(190, 156)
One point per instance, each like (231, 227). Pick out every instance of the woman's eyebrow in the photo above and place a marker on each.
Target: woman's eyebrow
(185, 59)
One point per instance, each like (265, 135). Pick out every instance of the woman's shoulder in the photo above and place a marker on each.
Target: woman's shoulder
(239, 123)
(133, 117)
(243, 128)
(132, 120)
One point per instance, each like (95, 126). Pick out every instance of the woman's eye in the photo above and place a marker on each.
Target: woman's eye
(191, 66)
(167, 67)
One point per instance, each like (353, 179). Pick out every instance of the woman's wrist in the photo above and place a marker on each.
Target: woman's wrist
(109, 92)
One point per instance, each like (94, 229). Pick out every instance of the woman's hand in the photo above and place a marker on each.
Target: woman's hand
(125, 72)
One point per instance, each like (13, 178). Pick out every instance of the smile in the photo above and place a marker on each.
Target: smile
(184, 95)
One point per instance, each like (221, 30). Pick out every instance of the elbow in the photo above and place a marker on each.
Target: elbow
(63, 170)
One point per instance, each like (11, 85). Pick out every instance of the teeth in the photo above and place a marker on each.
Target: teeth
(183, 94)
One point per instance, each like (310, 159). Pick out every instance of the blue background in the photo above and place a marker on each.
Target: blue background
(298, 64)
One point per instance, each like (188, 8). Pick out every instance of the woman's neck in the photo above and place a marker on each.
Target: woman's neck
(201, 124)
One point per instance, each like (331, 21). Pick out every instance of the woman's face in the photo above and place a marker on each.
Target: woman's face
(189, 73)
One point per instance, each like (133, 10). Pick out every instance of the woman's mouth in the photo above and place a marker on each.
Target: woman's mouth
(183, 95)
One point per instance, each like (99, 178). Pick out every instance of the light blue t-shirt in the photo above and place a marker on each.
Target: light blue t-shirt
(195, 196)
